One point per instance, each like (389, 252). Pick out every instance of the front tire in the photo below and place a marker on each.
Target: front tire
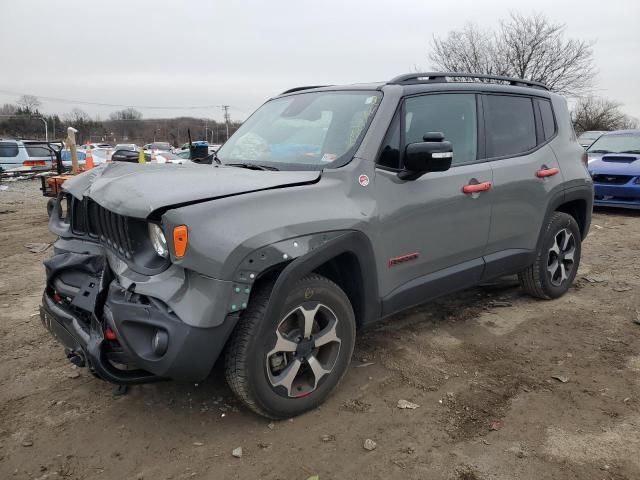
(557, 259)
(286, 365)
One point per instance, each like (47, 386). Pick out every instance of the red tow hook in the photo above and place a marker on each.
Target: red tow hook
(110, 334)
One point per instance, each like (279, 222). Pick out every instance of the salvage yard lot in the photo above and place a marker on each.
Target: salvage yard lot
(508, 387)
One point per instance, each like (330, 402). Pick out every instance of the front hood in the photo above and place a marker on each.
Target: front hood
(136, 190)
(616, 164)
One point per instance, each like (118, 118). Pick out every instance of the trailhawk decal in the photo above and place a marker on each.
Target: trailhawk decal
(403, 259)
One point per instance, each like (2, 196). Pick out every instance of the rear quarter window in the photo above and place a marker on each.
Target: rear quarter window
(509, 125)
(8, 149)
(548, 122)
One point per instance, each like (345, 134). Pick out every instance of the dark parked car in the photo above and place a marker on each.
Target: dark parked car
(328, 209)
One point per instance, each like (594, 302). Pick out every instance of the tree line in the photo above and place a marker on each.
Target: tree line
(23, 119)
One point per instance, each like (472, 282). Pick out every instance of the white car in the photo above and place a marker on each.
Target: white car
(158, 156)
(25, 155)
(160, 146)
(93, 146)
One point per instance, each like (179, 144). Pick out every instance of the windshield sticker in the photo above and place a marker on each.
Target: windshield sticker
(363, 180)
(328, 157)
(372, 100)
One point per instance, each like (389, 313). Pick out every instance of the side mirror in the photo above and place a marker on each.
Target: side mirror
(434, 154)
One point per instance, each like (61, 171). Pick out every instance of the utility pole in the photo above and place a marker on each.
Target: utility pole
(227, 118)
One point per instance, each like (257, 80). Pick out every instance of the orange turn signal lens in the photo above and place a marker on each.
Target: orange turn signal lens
(180, 240)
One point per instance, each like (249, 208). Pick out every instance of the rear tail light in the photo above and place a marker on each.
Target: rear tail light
(34, 163)
(585, 159)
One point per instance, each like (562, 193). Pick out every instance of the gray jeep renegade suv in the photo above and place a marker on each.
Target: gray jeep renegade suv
(330, 208)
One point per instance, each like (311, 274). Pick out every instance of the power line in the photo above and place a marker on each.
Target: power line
(100, 104)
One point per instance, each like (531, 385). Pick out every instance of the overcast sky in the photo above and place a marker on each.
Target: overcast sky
(194, 53)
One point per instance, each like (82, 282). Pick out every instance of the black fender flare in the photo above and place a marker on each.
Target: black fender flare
(353, 242)
(582, 192)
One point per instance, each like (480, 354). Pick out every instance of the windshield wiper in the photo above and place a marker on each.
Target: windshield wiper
(598, 151)
(251, 166)
(631, 151)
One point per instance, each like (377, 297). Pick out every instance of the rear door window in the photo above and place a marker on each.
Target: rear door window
(510, 127)
(8, 149)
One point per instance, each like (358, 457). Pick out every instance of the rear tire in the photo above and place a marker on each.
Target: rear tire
(274, 365)
(557, 259)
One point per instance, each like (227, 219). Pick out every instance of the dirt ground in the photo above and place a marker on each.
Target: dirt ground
(508, 387)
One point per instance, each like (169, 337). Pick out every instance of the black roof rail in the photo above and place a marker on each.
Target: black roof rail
(441, 77)
(297, 89)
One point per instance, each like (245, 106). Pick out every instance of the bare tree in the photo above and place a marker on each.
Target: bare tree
(29, 102)
(126, 114)
(470, 50)
(528, 47)
(77, 115)
(593, 113)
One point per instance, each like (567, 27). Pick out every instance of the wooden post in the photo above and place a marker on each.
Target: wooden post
(70, 141)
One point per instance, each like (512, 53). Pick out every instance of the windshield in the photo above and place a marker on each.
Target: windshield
(589, 136)
(616, 144)
(160, 146)
(303, 131)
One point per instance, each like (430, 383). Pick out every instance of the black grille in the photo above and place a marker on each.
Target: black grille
(110, 229)
(611, 179)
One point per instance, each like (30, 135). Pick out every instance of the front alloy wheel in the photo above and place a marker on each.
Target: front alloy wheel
(282, 366)
(306, 349)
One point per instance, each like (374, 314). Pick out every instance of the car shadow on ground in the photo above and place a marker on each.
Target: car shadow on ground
(617, 211)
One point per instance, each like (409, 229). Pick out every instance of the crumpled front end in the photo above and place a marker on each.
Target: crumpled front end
(127, 327)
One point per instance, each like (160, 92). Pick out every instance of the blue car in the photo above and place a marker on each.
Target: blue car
(614, 165)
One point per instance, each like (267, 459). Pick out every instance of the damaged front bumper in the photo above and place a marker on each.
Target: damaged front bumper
(122, 336)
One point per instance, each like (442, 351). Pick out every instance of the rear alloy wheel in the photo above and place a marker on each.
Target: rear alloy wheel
(557, 259)
(283, 366)
(560, 257)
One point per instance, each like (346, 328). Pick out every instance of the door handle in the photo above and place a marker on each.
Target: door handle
(547, 172)
(477, 187)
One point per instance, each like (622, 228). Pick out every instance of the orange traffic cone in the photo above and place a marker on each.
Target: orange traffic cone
(88, 160)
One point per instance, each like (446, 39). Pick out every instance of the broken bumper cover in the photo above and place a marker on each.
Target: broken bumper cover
(147, 341)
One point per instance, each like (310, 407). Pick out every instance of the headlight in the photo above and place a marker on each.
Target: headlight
(158, 240)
